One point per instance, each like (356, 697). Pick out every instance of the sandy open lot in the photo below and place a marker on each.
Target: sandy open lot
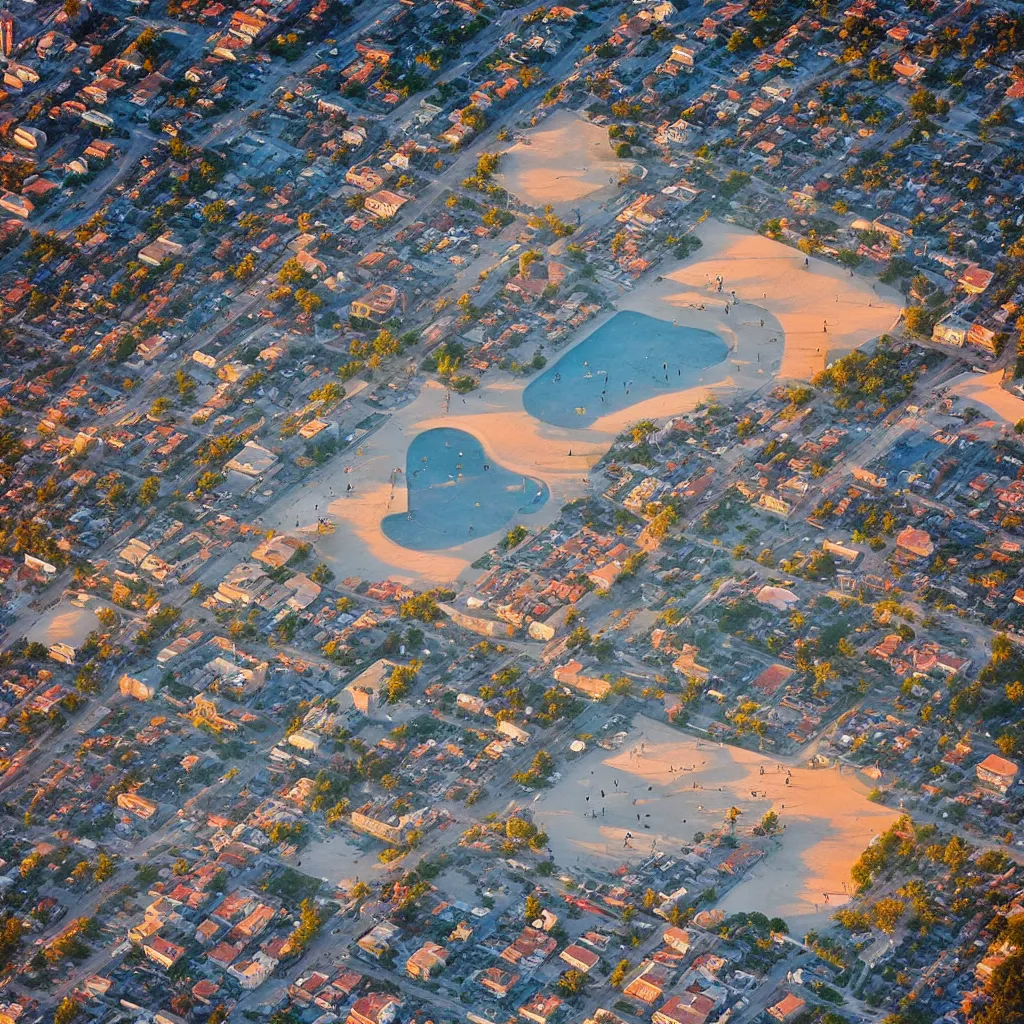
(64, 623)
(795, 303)
(983, 390)
(563, 161)
(828, 819)
(495, 416)
(336, 859)
(771, 285)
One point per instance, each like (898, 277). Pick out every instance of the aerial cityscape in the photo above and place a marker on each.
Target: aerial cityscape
(511, 512)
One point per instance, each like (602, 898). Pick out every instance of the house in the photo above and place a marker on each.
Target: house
(138, 805)
(377, 304)
(162, 952)
(512, 731)
(678, 939)
(649, 984)
(384, 204)
(531, 944)
(252, 973)
(788, 1008)
(364, 177)
(951, 330)
(604, 576)
(160, 250)
(685, 1008)
(914, 542)
(428, 960)
(571, 674)
(685, 55)
(997, 772)
(277, 551)
(253, 460)
(380, 822)
(375, 1008)
(974, 279)
(774, 676)
(686, 664)
(307, 742)
(495, 980)
(469, 703)
(535, 278)
(581, 959)
(985, 338)
(20, 206)
(541, 1008)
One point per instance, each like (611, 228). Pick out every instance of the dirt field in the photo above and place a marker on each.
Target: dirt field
(827, 817)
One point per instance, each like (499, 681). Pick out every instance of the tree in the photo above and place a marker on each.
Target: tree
(310, 922)
(207, 482)
(401, 680)
(67, 1010)
(149, 491)
(919, 320)
(886, 914)
(308, 301)
(1005, 990)
(104, 868)
(216, 212)
(246, 267)
(185, 383)
(618, 975)
(923, 102)
(956, 854)
(292, 273)
(737, 41)
(572, 983)
(533, 908)
(422, 607)
(526, 259)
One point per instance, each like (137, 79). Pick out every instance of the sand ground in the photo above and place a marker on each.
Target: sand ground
(65, 622)
(771, 284)
(494, 415)
(983, 390)
(335, 859)
(787, 321)
(827, 816)
(564, 161)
